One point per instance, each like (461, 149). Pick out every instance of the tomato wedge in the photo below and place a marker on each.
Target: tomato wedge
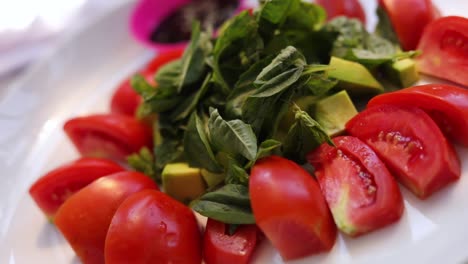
(359, 189)
(151, 227)
(110, 136)
(221, 247)
(411, 145)
(290, 209)
(444, 46)
(125, 100)
(55, 187)
(349, 8)
(446, 104)
(409, 18)
(85, 217)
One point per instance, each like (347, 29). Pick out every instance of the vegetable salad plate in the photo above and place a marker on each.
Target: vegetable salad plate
(79, 78)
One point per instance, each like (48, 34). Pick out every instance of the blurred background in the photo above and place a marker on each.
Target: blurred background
(31, 28)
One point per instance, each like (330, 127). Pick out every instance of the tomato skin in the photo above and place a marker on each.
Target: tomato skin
(446, 104)
(444, 46)
(411, 145)
(85, 217)
(151, 227)
(359, 189)
(51, 190)
(349, 8)
(125, 100)
(220, 247)
(110, 136)
(409, 18)
(289, 208)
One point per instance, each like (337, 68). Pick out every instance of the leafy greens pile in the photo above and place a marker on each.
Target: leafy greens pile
(223, 105)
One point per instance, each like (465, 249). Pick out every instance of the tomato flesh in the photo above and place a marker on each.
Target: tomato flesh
(360, 191)
(409, 18)
(221, 247)
(349, 8)
(151, 227)
(110, 136)
(290, 209)
(55, 187)
(85, 217)
(125, 100)
(446, 104)
(411, 144)
(444, 46)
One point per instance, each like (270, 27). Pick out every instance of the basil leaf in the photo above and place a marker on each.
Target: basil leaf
(384, 27)
(236, 48)
(189, 104)
(226, 213)
(265, 149)
(168, 76)
(144, 162)
(235, 174)
(277, 11)
(304, 135)
(289, 57)
(169, 151)
(279, 83)
(193, 61)
(197, 146)
(233, 137)
(356, 44)
(229, 204)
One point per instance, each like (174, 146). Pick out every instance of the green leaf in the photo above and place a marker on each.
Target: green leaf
(167, 77)
(384, 27)
(304, 135)
(226, 213)
(236, 174)
(288, 58)
(189, 104)
(169, 151)
(193, 61)
(229, 194)
(266, 147)
(236, 49)
(229, 204)
(197, 146)
(234, 137)
(308, 17)
(142, 87)
(277, 11)
(144, 162)
(279, 83)
(354, 43)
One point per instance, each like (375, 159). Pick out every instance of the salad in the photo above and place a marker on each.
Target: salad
(266, 130)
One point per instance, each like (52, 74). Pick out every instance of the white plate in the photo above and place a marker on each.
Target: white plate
(79, 78)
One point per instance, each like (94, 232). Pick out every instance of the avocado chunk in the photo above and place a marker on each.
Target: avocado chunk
(182, 182)
(333, 112)
(354, 77)
(212, 179)
(402, 73)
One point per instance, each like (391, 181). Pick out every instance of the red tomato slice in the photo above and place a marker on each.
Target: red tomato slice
(125, 100)
(349, 8)
(151, 227)
(446, 104)
(409, 18)
(411, 144)
(221, 247)
(85, 217)
(444, 46)
(360, 191)
(290, 209)
(110, 136)
(54, 188)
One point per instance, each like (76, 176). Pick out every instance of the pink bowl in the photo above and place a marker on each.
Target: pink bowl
(148, 14)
